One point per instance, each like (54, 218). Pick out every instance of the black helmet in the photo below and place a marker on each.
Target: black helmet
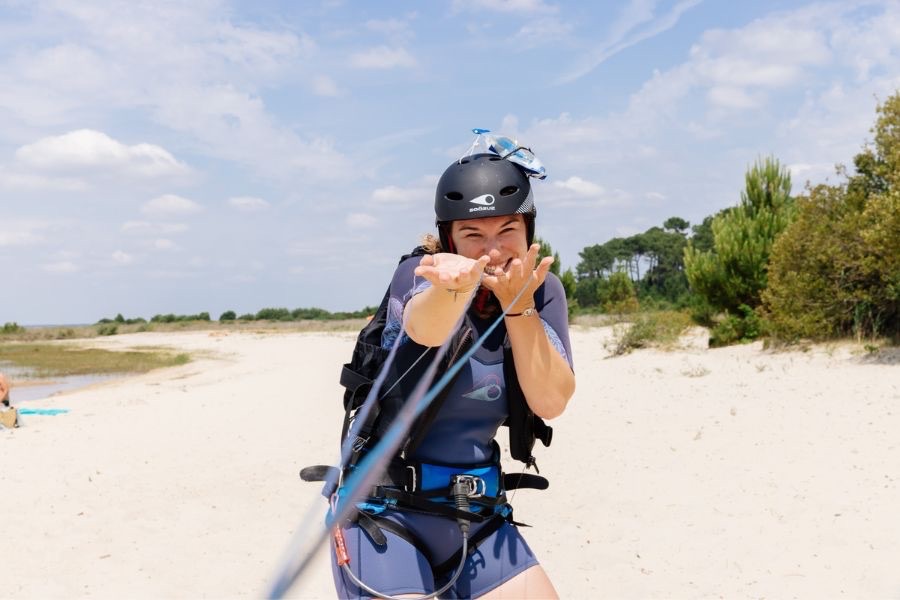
(482, 185)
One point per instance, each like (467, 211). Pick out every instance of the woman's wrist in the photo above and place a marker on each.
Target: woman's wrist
(530, 311)
(465, 292)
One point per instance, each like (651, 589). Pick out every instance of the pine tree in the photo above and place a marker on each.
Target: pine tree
(735, 271)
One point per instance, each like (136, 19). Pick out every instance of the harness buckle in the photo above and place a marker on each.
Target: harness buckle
(359, 443)
(476, 486)
(412, 478)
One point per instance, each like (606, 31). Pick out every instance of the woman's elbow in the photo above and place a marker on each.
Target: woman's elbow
(556, 404)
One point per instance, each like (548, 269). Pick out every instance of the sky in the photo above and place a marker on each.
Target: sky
(182, 157)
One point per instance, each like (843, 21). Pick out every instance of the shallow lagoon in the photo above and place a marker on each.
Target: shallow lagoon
(26, 389)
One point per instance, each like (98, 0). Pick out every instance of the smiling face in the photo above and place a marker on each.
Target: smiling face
(502, 238)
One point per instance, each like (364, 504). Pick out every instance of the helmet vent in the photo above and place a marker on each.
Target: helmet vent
(453, 196)
(509, 190)
(493, 158)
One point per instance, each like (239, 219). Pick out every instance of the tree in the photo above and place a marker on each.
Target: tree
(734, 272)
(547, 250)
(836, 269)
(228, 315)
(569, 283)
(676, 225)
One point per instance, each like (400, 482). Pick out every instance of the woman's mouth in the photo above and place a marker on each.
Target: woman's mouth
(494, 269)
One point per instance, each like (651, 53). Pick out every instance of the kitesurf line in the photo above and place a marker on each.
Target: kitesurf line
(376, 459)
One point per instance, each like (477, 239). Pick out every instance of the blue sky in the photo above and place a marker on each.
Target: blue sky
(203, 156)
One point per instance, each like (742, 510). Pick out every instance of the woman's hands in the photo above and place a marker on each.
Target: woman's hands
(507, 284)
(454, 272)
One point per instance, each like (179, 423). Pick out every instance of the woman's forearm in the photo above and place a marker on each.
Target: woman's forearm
(545, 376)
(430, 316)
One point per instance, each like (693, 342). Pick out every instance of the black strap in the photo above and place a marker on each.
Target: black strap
(516, 481)
(489, 528)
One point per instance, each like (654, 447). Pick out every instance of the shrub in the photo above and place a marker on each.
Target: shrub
(273, 314)
(228, 315)
(12, 327)
(107, 329)
(647, 329)
(618, 294)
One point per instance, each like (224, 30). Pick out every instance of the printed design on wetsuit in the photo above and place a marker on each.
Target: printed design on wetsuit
(554, 339)
(487, 379)
(394, 321)
(488, 389)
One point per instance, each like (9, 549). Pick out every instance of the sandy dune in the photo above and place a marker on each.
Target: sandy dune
(688, 474)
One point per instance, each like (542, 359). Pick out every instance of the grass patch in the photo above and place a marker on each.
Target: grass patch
(661, 328)
(38, 334)
(54, 360)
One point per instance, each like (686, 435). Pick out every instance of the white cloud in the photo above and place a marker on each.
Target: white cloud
(22, 181)
(191, 68)
(530, 7)
(86, 149)
(164, 244)
(734, 97)
(542, 32)
(323, 85)
(392, 28)
(655, 196)
(63, 266)
(382, 57)
(122, 258)
(579, 186)
(170, 205)
(634, 24)
(11, 237)
(357, 221)
(248, 203)
(148, 228)
(421, 190)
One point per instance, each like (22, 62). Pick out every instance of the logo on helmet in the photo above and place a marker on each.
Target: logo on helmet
(484, 200)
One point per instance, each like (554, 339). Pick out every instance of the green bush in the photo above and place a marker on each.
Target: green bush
(12, 327)
(618, 294)
(649, 329)
(228, 315)
(731, 329)
(273, 314)
(107, 329)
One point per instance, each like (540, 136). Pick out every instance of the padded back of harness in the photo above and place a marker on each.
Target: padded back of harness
(358, 375)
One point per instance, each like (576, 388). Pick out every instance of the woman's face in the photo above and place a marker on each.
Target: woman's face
(501, 238)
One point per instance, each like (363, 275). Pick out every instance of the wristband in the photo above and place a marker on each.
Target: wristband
(525, 313)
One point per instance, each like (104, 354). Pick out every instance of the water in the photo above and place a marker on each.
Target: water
(43, 388)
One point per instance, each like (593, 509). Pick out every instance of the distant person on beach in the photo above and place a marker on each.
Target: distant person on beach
(9, 417)
(408, 535)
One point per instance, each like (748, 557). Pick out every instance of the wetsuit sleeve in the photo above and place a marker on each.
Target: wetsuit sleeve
(404, 285)
(554, 312)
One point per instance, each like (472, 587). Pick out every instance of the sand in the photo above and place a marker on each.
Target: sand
(695, 473)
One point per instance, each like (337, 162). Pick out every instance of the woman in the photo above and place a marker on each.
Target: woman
(407, 539)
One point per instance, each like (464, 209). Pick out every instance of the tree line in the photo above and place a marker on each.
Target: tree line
(822, 264)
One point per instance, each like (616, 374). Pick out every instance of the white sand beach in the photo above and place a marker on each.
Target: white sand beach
(696, 473)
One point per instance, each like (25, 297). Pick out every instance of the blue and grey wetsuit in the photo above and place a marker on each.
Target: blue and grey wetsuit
(462, 433)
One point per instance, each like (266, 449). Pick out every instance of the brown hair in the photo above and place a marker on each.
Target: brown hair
(431, 243)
